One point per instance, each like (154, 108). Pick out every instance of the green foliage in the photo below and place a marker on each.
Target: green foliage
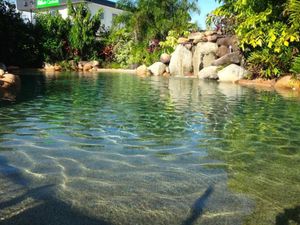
(296, 65)
(145, 22)
(148, 20)
(268, 31)
(83, 32)
(171, 40)
(53, 36)
(18, 40)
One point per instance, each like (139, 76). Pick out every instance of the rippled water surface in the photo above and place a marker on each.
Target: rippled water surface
(116, 149)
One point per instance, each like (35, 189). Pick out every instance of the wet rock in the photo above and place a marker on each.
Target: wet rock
(81, 64)
(230, 58)
(287, 82)
(48, 66)
(208, 59)
(165, 58)
(1, 72)
(157, 69)
(142, 71)
(232, 73)
(10, 81)
(210, 72)
(181, 61)
(204, 55)
(57, 67)
(95, 63)
(87, 67)
(222, 50)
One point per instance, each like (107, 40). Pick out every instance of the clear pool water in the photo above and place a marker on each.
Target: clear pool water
(116, 149)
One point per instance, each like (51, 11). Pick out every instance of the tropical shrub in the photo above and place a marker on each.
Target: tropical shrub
(268, 32)
(18, 40)
(137, 33)
(53, 33)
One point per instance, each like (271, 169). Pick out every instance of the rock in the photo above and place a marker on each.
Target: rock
(287, 82)
(2, 72)
(142, 71)
(210, 32)
(212, 38)
(229, 41)
(48, 66)
(165, 58)
(258, 83)
(204, 55)
(10, 81)
(157, 69)
(188, 46)
(87, 67)
(232, 73)
(182, 40)
(222, 50)
(95, 63)
(166, 74)
(167, 69)
(196, 35)
(57, 67)
(230, 58)
(210, 72)
(81, 64)
(208, 59)
(181, 61)
(207, 47)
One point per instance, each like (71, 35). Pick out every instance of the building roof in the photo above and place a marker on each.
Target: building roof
(104, 2)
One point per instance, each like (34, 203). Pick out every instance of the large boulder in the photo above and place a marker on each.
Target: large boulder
(229, 41)
(210, 72)
(232, 73)
(142, 71)
(287, 82)
(2, 72)
(222, 50)
(230, 58)
(157, 69)
(197, 37)
(212, 38)
(208, 59)
(49, 67)
(88, 66)
(81, 64)
(10, 81)
(207, 47)
(165, 58)
(181, 61)
(204, 55)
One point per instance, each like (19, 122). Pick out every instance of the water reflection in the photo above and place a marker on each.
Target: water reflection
(126, 150)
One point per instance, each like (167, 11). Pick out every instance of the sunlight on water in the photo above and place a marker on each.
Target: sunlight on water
(118, 149)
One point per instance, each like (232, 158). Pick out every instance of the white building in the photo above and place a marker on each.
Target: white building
(109, 8)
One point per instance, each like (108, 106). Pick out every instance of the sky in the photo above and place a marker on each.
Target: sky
(205, 6)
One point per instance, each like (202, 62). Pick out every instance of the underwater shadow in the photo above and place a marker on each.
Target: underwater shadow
(289, 215)
(198, 207)
(45, 209)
